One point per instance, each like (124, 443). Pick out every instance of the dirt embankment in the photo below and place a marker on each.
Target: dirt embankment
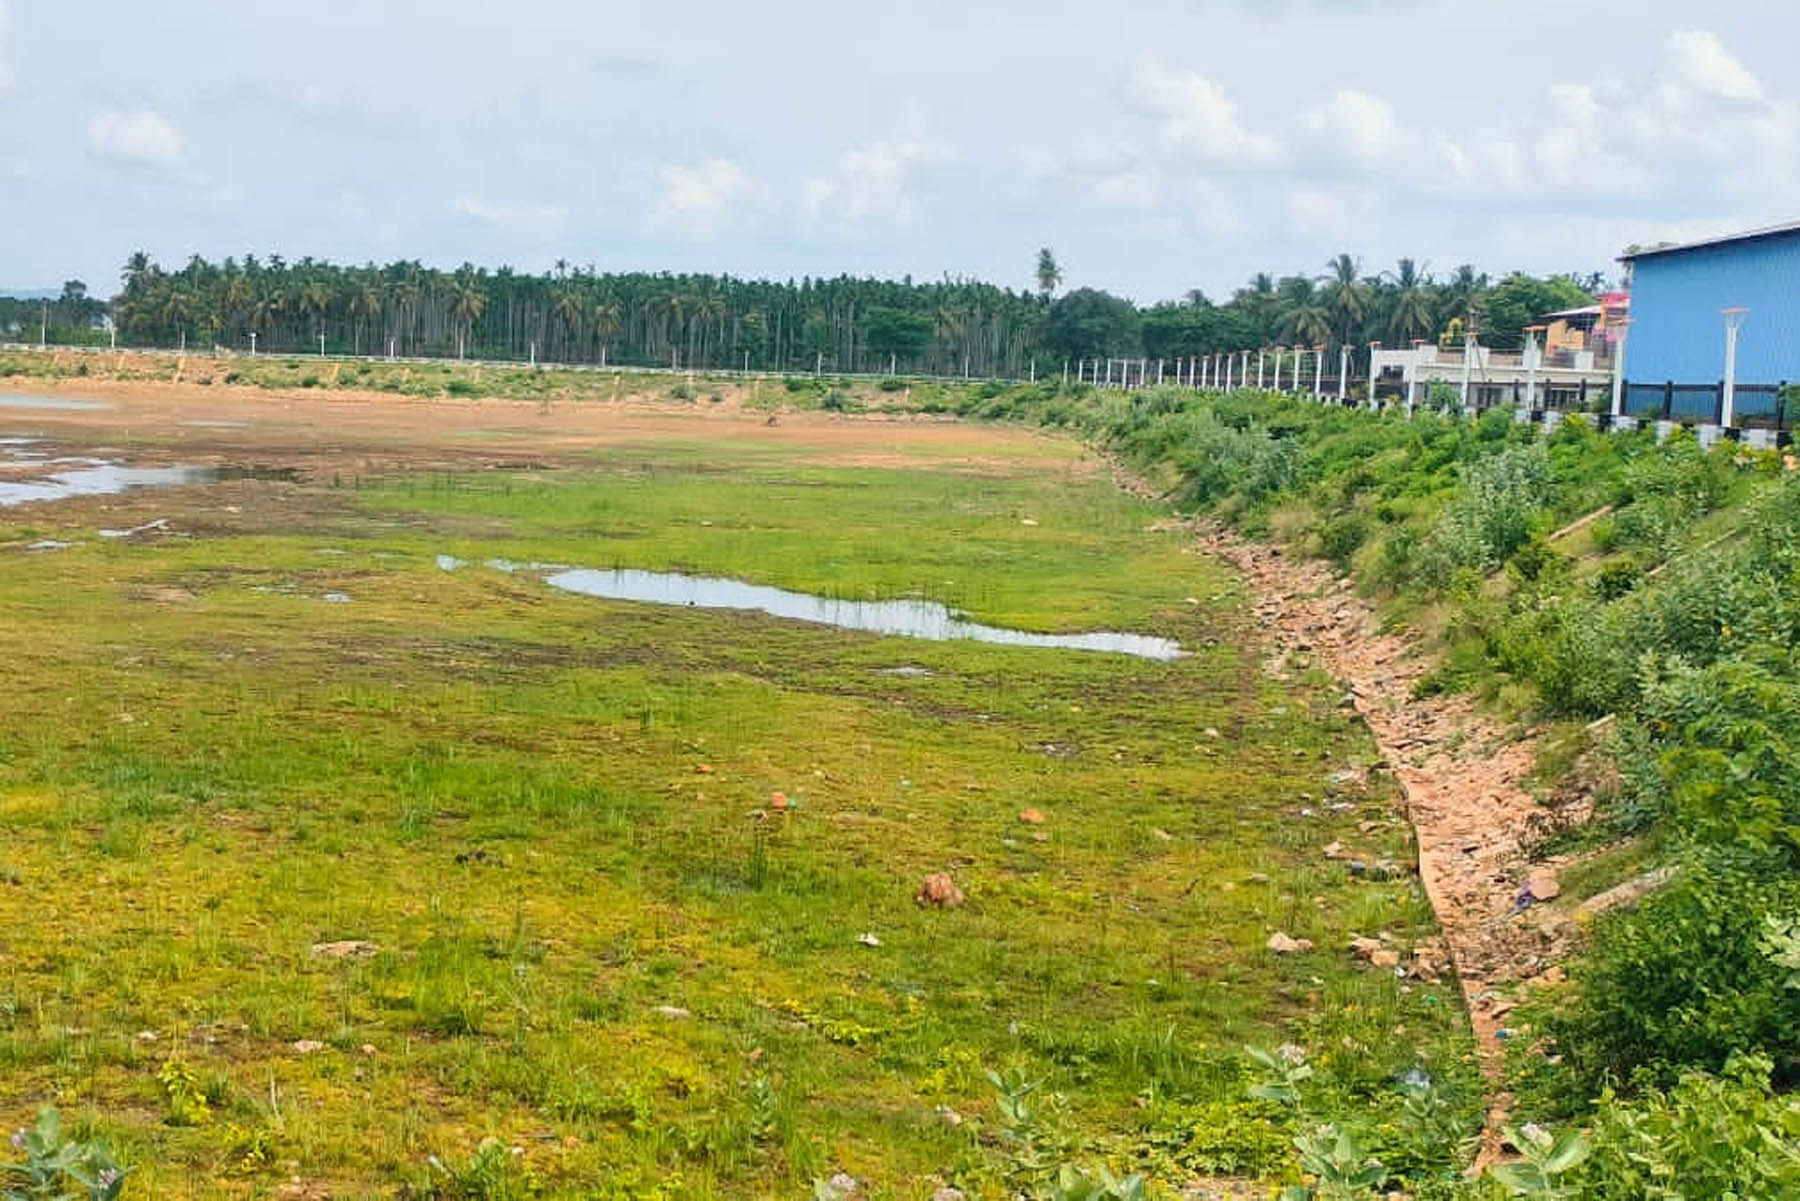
(1463, 776)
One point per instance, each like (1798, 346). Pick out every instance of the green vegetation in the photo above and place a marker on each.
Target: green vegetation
(479, 889)
(1674, 613)
(845, 325)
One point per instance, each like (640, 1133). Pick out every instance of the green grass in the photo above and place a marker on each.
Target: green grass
(502, 788)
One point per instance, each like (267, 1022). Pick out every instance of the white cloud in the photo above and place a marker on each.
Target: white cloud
(1136, 188)
(1360, 126)
(1194, 115)
(142, 137)
(1700, 128)
(1703, 63)
(531, 220)
(6, 71)
(870, 183)
(1337, 212)
(696, 199)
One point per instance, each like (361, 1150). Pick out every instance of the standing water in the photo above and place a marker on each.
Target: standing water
(901, 618)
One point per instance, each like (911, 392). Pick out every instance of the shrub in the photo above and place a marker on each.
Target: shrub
(1617, 578)
(1683, 982)
(461, 386)
(1341, 537)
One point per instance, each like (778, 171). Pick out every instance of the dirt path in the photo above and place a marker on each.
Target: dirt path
(1462, 776)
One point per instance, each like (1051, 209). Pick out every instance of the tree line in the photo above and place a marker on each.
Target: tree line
(846, 324)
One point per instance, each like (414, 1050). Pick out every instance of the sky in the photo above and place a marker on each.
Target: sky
(1156, 145)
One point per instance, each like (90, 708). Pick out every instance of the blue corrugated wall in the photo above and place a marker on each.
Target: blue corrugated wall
(1677, 332)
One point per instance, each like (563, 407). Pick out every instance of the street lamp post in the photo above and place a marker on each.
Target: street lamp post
(1618, 381)
(1734, 318)
(1531, 366)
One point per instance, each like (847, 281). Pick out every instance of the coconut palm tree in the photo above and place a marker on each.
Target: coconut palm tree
(1410, 311)
(467, 303)
(606, 324)
(1305, 318)
(1345, 298)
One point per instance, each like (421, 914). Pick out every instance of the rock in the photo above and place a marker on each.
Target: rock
(1257, 878)
(1161, 835)
(704, 769)
(948, 1116)
(674, 1013)
(939, 891)
(367, 1048)
(1333, 850)
(946, 1193)
(349, 948)
(842, 1187)
(146, 1036)
(1210, 732)
(1365, 948)
(868, 940)
(778, 801)
(1280, 943)
(1385, 958)
(1544, 885)
(308, 1046)
(1032, 817)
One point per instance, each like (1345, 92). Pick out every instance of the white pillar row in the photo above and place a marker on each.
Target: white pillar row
(1259, 370)
(1343, 372)
(1318, 372)
(1278, 368)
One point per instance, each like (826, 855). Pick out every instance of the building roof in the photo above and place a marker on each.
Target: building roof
(1751, 235)
(1591, 310)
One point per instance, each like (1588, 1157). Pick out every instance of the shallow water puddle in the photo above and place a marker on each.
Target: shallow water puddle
(100, 481)
(12, 400)
(899, 618)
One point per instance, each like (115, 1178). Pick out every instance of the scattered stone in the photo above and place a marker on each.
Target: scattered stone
(841, 1187)
(705, 769)
(1365, 948)
(1280, 943)
(1386, 957)
(868, 940)
(308, 1046)
(946, 1193)
(349, 948)
(1032, 817)
(778, 801)
(1161, 835)
(939, 891)
(367, 1048)
(146, 1036)
(1544, 885)
(948, 1116)
(1258, 878)
(674, 1013)
(1210, 732)
(1334, 850)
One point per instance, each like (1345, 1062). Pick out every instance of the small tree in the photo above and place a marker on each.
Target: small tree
(1049, 274)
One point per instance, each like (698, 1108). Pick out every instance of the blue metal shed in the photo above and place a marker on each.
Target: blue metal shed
(1677, 331)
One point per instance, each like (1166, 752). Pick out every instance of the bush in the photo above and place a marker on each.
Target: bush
(1684, 982)
(1341, 537)
(461, 386)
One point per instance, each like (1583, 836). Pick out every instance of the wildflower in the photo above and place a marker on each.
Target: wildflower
(18, 1140)
(107, 1177)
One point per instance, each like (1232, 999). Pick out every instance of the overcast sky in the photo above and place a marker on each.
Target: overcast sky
(1157, 145)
